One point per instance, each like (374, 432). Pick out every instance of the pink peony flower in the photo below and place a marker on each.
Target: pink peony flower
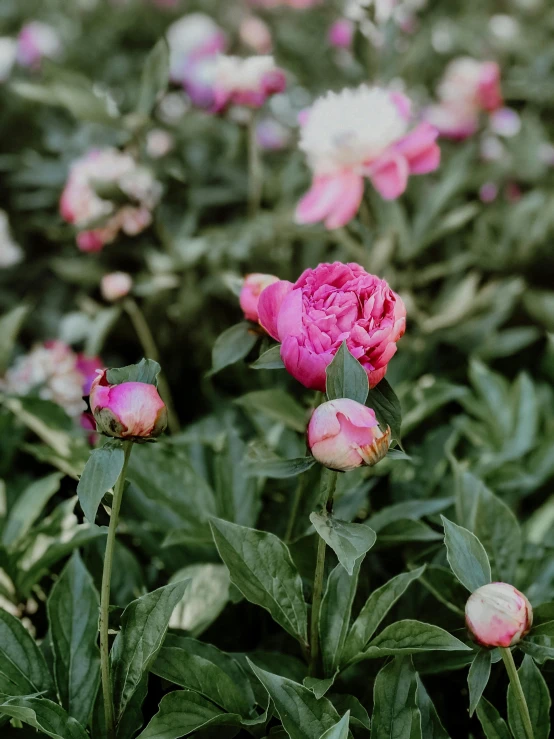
(36, 41)
(344, 434)
(248, 82)
(356, 134)
(131, 410)
(250, 294)
(325, 306)
(115, 285)
(341, 33)
(256, 34)
(468, 88)
(498, 615)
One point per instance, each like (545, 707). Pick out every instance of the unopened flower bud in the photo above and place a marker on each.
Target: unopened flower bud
(341, 33)
(344, 434)
(115, 285)
(131, 410)
(251, 291)
(498, 615)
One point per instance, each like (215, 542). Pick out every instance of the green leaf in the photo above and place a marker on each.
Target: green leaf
(413, 509)
(100, 475)
(302, 714)
(334, 617)
(346, 378)
(374, 611)
(431, 726)
(539, 642)
(28, 506)
(271, 359)
(395, 711)
(232, 345)
(182, 712)
(498, 530)
(538, 700)
(478, 677)
(10, 325)
(155, 77)
(73, 619)
(359, 717)
(262, 569)
(317, 686)
(45, 716)
(446, 587)
(349, 541)
(207, 595)
(406, 530)
(143, 627)
(338, 731)
(492, 722)
(23, 668)
(411, 637)
(279, 469)
(277, 405)
(466, 556)
(386, 405)
(147, 371)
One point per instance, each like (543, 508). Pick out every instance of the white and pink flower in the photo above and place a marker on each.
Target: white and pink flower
(468, 89)
(98, 218)
(250, 293)
(498, 615)
(115, 285)
(247, 82)
(37, 41)
(356, 134)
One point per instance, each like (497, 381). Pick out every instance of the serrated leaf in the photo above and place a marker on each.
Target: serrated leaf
(270, 359)
(386, 405)
(45, 716)
(395, 711)
(340, 730)
(155, 77)
(492, 722)
(100, 474)
(478, 677)
(262, 569)
(411, 637)
(346, 378)
(538, 700)
(23, 669)
(73, 619)
(466, 556)
(232, 345)
(28, 507)
(349, 541)
(147, 371)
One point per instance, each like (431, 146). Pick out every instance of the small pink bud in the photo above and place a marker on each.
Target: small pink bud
(131, 410)
(251, 291)
(341, 33)
(488, 192)
(498, 615)
(344, 434)
(115, 285)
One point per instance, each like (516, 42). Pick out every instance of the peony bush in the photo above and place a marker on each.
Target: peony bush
(276, 315)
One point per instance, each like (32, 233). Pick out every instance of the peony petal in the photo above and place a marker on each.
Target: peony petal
(389, 175)
(307, 367)
(323, 197)
(269, 305)
(347, 207)
(289, 319)
(420, 149)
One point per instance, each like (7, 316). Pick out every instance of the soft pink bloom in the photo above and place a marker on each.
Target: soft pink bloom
(248, 82)
(326, 306)
(159, 143)
(272, 135)
(358, 134)
(344, 434)
(505, 122)
(468, 88)
(250, 294)
(341, 33)
(256, 34)
(131, 410)
(115, 285)
(488, 192)
(498, 615)
(36, 41)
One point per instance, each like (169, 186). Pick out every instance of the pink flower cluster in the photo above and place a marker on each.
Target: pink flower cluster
(324, 307)
(356, 134)
(86, 203)
(247, 82)
(467, 89)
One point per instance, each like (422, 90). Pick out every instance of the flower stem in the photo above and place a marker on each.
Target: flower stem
(150, 349)
(298, 493)
(328, 485)
(255, 170)
(105, 595)
(518, 690)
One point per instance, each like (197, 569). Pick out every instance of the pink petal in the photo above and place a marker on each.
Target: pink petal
(269, 306)
(389, 175)
(348, 206)
(289, 319)
(322, 198)
(307, 367)
(420, 149)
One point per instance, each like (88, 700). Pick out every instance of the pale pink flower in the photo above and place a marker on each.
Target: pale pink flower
(159, 143)
(344, 434)
(488, 192)
(247, 82)
(498, 615)
(250, 293)
(326, 306)
(115, 285)
(272, 135)
(357, 134)
(256, 34)
(341, 33)
(505, 122)
(131, 410)
(36, 41)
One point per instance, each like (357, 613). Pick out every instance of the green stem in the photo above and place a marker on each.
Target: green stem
(105, 595)
(328, 485)
(518, 690)
(255, 170)
(150, 349)
(298, 493)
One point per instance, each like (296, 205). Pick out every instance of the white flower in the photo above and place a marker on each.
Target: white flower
(194, 34)
(10, 252)
(235, 73)
(8, 53)
(115, 285)
(350, 127)
(461, 81)
(158, 143)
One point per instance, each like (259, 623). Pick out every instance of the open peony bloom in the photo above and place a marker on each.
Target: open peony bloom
(468, 88)
(344, 434)
(36, 41)
(248, 82)
(250, 294)
(360, 133)
(498, 615)
(87, 198)
(131, 410)
(325, 306)
(115, 285)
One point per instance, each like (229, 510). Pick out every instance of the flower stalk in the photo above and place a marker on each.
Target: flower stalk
(518, 691)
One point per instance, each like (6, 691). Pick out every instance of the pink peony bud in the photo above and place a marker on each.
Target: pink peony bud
(344, 434)
(251, 291)
(115, 285)
(341, 33)
(131, 410)
(498, 615)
